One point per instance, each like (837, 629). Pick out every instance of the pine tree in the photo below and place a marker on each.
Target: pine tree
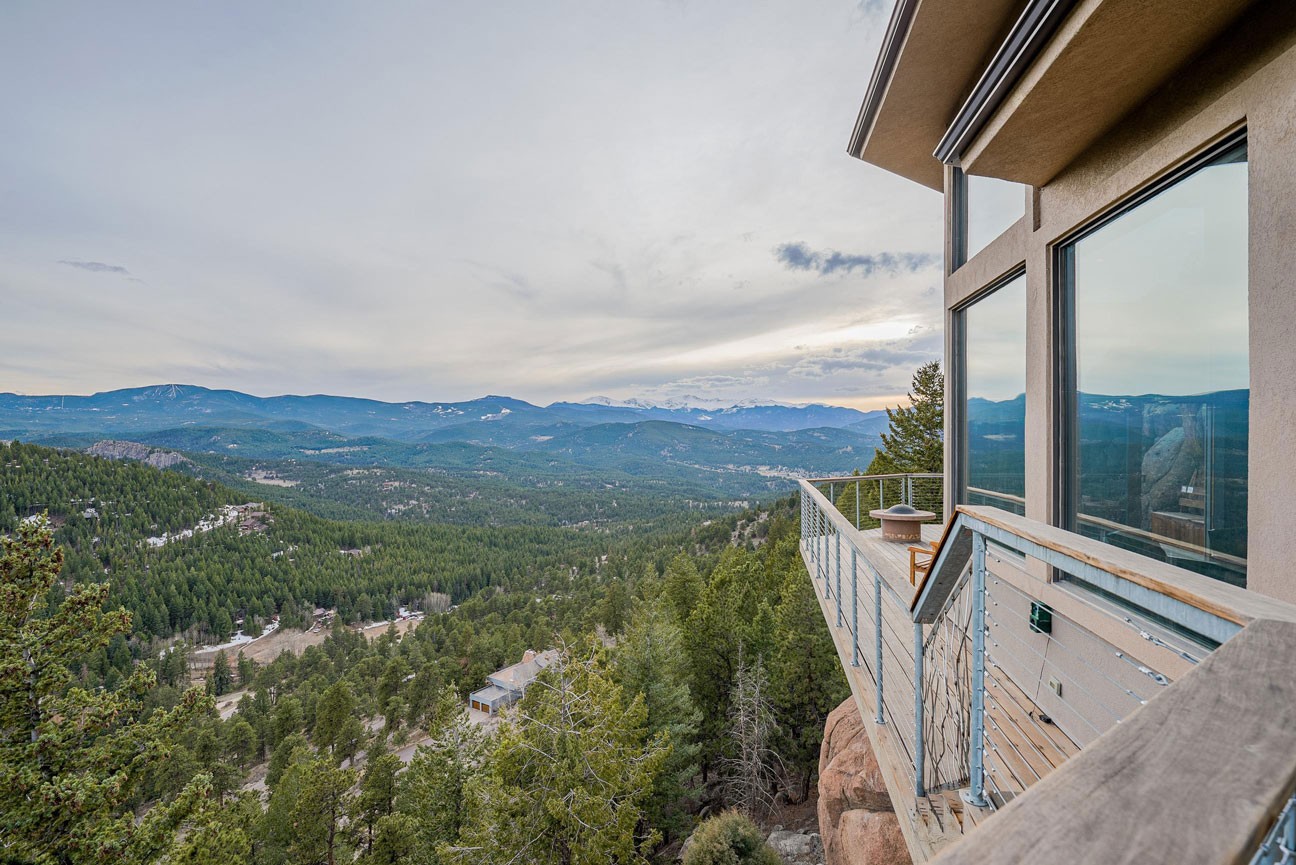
(221, 678)
(806, 681)
(377, 796)
(246, 670)
(682, 586)
(336, 705)
(221, 834)
(570, 774)
(71, 759)
(433, 786)
(317, 814)
(615, 606)
(395, 841)
(650, 661)
(732, 614)
(916, 439)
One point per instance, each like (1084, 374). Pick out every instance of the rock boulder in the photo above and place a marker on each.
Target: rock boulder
(795, 848)
(856, 820)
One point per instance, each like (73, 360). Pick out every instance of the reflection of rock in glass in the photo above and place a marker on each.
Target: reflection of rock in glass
(1171, 463)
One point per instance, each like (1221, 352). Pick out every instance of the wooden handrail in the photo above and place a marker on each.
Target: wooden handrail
(1008, 497)
(1142, 534)
(1212, 597)
(1195, 777)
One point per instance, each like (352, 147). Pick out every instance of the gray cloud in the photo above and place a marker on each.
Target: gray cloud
(96, 267)
(799, 256)
(896, 356)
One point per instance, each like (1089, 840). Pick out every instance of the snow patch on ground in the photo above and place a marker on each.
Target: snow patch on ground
(241, 639)
(226, 516)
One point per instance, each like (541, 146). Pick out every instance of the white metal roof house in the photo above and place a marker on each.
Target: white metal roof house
(508, 685)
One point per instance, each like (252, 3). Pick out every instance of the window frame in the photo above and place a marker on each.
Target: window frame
(958, 409)
(1065, 413)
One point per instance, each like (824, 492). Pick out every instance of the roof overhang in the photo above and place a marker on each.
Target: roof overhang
(1016, 89)
(1105, 58)
(932, 54)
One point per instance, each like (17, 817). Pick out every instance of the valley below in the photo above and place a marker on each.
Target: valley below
(311, 588)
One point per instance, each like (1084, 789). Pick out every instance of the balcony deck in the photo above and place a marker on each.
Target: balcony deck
(1026, 747)
(1007, 673)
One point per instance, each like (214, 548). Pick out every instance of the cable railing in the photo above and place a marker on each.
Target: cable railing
(1004, 663)
(856, 495)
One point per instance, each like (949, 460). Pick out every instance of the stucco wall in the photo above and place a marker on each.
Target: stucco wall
(1245, 78)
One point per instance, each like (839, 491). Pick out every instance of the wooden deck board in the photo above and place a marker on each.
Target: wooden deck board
(1226, 731)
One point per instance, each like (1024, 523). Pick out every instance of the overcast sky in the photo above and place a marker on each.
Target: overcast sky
(434, 200)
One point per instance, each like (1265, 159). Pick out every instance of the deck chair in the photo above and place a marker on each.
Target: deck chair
(920, 560)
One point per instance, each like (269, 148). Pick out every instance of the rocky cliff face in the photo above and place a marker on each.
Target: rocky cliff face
(119, 450)
(856, 820)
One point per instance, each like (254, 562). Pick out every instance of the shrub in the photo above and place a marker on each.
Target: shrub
(729, 839)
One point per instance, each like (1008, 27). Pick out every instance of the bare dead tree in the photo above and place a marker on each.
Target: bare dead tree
(751, 775)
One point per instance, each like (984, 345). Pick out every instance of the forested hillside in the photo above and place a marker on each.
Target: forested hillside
(683, 629)
(287, 563)
(566, 496)
(360, 750)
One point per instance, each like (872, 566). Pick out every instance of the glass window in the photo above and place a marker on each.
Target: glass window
(994, 369)
(1159, 303)
(992, 207)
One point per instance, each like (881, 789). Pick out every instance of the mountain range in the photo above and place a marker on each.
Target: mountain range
(156, 407)
(717, 446)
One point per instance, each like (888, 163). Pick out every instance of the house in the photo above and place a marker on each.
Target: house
(508, 685)
(1098, 652)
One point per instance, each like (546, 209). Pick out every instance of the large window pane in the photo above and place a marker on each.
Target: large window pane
(992, 207)
(1160, 313)
(994, 363)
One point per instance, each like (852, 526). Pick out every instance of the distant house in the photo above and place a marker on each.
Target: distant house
(509, 684)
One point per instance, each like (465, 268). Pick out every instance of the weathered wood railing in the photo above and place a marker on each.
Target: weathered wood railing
(1027, 643)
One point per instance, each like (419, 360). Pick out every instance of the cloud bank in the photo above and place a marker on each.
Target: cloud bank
(364, 199)
(799, 256)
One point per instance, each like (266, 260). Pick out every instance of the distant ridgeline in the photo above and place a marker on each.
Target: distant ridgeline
(736, 452)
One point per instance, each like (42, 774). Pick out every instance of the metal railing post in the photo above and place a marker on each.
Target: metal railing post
(816, 519)
(854, 608)
(838, 593)
(976, 756)
(881, 497)
(804, 504)
(919, 756)
(809, 535)
(857, 505)
(877, 656)
(827, 583)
